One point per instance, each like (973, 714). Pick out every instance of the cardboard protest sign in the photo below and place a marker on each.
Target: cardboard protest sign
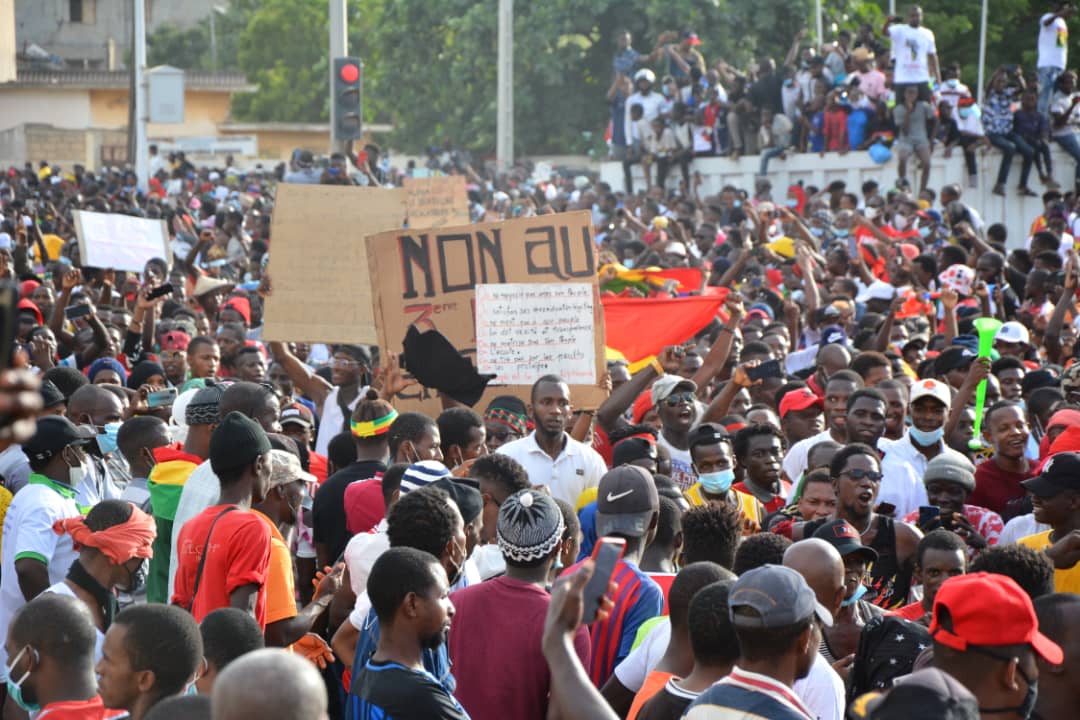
(429, 278)
(439, 201)
(318, 262)
(120, 242)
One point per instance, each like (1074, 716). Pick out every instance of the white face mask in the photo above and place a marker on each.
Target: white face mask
(901, 222)
(76, 474)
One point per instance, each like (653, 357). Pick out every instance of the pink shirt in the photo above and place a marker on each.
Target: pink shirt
(872, 84)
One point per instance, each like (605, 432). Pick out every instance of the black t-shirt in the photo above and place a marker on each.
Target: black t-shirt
(387, 690)
(668, 704)
(765, 93)
(328, 507)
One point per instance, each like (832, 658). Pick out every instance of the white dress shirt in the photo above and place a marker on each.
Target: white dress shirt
(577, 468)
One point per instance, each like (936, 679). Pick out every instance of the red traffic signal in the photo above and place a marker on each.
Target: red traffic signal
(349, 73)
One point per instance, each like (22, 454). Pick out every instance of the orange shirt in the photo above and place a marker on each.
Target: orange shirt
(654, 683)
(238, 554)
(280, 585)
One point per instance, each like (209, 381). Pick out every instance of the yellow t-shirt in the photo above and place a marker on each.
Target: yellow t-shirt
(749, 507)
(1064, 580)
(53, 245)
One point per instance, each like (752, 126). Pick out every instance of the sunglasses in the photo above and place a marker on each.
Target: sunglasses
(502, 435)
(859, 474)
(675, 398)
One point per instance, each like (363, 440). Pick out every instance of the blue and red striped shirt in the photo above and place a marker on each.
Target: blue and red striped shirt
(637, 598)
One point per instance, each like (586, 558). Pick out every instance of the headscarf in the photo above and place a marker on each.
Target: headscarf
(133, 538)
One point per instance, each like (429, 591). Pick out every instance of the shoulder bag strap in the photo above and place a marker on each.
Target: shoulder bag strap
(202, 560)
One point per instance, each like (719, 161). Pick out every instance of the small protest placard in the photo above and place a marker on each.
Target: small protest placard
(526, 330)
(437, 201)
(120, 242)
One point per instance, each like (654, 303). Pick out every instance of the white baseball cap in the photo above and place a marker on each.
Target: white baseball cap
(931, 388)
(1013, 332)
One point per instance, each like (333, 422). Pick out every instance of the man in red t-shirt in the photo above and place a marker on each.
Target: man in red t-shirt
(224, 552)
(50, 649)
(997, 480)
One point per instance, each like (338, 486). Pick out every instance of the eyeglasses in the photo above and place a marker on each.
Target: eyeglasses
(502, 435)
(859, 474)
(343, 363)
(675, 398)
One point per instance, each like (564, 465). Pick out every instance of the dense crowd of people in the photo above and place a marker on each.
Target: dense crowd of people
(853, 490)
(882, 90)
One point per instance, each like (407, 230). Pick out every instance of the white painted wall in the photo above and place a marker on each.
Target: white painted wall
(855, 168)
(67, 109)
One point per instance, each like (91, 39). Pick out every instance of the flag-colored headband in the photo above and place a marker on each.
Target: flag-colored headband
(371, 428)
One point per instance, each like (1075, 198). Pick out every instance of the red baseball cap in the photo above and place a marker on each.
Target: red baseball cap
(988, 609)
(800, 400)
(175, 340)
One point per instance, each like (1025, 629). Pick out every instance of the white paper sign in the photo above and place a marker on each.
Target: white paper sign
(525, 330)
(120, 242)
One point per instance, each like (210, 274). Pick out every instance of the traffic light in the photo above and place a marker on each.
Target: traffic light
(347, 98)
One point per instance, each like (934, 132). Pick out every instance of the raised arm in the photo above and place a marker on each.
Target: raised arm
(310, 384)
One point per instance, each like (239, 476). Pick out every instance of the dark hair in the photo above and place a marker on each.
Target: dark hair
(1001, 405)
(785, 389)
(757, 644)
(756, 347)
(164, 639)
(1040, 400)
(454, 426)
(823, 445)
(200, 340)
(740, 444)
(107, 514)
(668, 524)
(235, 328)
(182, 707)
(422, 519)
(866, 361)
(408, 426)
(398, 572)
(686, 585)
(227, 633)
(821, 475)
(244, 397)
(553, 379)
(873, 393)
(141, 431)
(502, 470)
(391, 481)
(712, 636)
(1007, 362)
(624, 431)
(1050, 609)
(628, 450)
(711, 533)
(940, 539)
(66, 379)
(1031, 569)
(848, 375)
(836, 465)
(342, 450)
(571, 524)
(927, 262)
(59, 627)
(761, 549)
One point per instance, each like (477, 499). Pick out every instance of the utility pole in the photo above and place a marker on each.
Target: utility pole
(504, 123)
(339, 47)
(142, 151)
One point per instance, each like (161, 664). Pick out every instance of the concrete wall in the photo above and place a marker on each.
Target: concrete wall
(855, 168)
(67, 108)
(48, 24)
(203, 112)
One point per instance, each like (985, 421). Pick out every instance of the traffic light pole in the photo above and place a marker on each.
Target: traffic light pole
(504, 120)
(339, 47)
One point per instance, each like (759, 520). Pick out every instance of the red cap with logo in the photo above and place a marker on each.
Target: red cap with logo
(800, 399)
(987, 609)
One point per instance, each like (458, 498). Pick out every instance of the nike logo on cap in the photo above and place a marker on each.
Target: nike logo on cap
(612, 497)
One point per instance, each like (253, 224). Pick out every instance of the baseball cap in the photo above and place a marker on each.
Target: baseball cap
(285, 468)
(667, 384)
(988, 609)
(625, 501)
(175, 340)
(779, 596)
(932, 388)
(691, 37)
(1013, 332)
(468, 500)
(800, 399)
(1060, 472)
(952, 467)
(862, 53)
(298, 414)
(236, 442)
(54, 433)
(833, 334)
(930, 692)
(708, 434)
(877, 290)
(843, 536)
(1037, 379)
(954, 358)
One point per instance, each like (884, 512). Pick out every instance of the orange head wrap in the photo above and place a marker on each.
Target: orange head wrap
(119, 543)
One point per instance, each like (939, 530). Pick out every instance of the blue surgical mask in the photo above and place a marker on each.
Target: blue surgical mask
(964, 112)
(859, 592)
(14, 688)
(107, 440)
(791, 202)
(924, 232)
(717, 483)
(737, 203)
(952, 82)
(841, 232)
(926, 438)
(789, 82)
(817, 232)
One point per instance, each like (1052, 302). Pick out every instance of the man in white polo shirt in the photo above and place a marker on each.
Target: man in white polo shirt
(550, 456)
